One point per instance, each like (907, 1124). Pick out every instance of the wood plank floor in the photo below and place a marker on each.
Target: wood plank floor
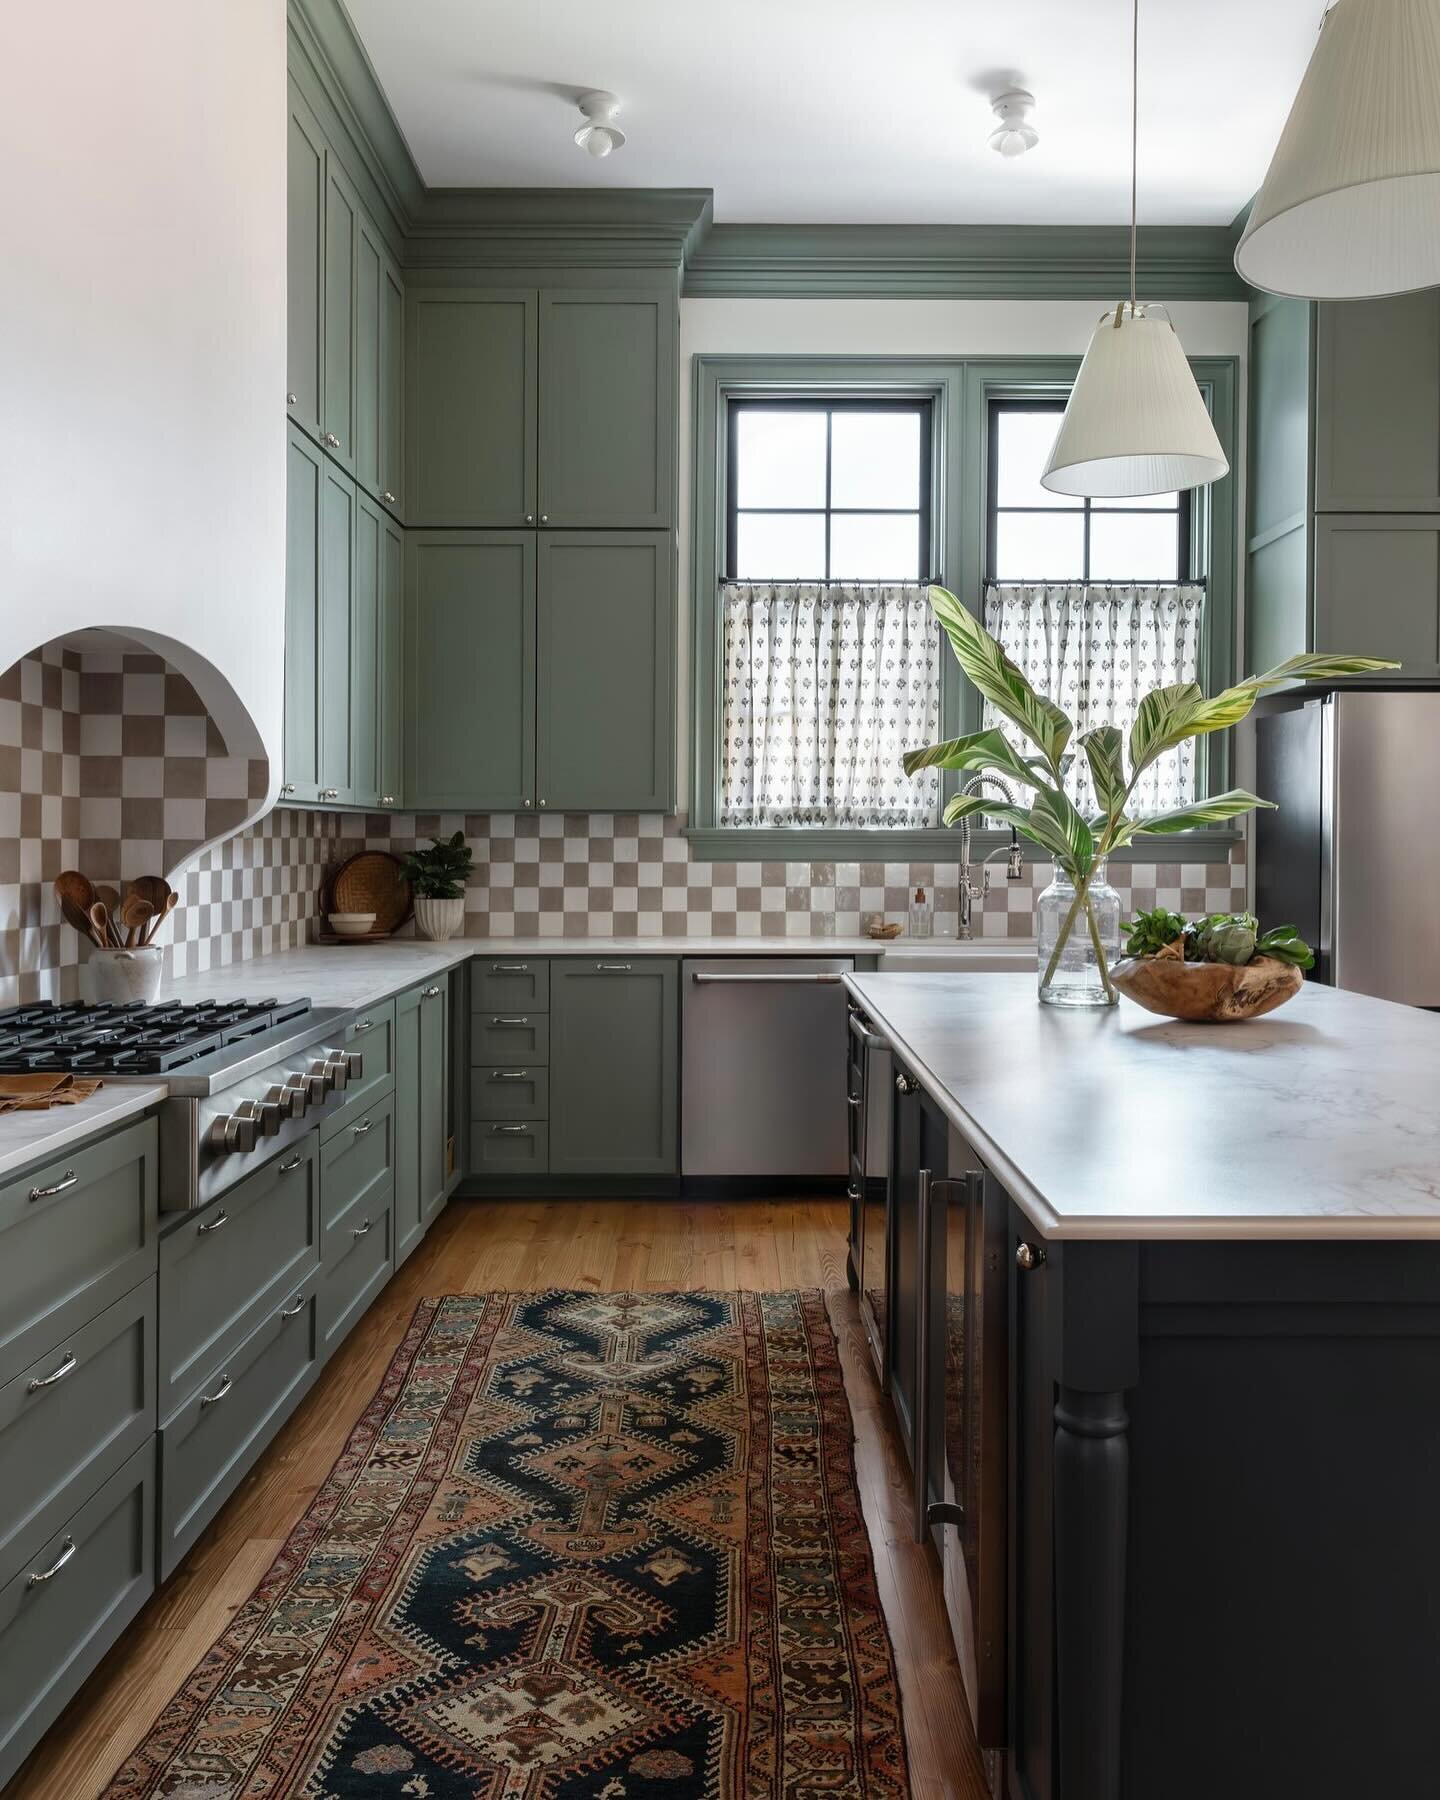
(478, 1246)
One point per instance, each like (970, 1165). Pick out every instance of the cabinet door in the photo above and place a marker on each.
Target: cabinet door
(613, 1059)
(305, 477)
(607, 406)
(606, 683)
(1377, 587)
(470, 670)
(471, 396)
(365, 615)
(337, 575)
(1377, 405)
(392, 388)
(305, 272)
(409, 1089)
(434, 1040)
(369, 298)
(390, 772)
(920, 1142)
(342, 240)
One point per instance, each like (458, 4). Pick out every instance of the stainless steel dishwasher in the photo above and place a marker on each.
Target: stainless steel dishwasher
(762, 1079)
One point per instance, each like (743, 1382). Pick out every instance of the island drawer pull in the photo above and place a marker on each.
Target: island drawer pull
(510, 1131)
(509, 968)
(509, 1022)
(854, 1099)
(67, 1550)
(214, 1399)
(364, 1230)
(293, 1312)
(66, 1366)
(612, 968)
(221, 1218)
(509, 1075)
(67, 1180)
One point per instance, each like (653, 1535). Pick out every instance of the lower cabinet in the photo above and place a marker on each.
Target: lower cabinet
(614, 1066)
(421, 1086)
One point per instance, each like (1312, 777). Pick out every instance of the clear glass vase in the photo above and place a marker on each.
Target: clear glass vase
(1077, 944)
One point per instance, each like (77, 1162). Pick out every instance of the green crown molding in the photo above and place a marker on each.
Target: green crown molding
(1188, 262)
(499, 228)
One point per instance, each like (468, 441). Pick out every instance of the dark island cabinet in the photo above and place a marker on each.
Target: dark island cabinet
(614, 1065)
(920, 1160)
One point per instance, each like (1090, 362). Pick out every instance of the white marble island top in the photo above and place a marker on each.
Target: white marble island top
(1318, 1121)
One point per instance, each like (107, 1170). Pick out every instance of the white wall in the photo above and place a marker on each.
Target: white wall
(936, 328)
(142, 337)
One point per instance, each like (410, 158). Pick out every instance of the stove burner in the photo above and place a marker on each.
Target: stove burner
(131, 1040)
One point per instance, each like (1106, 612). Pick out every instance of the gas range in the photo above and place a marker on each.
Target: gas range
(244, 1077)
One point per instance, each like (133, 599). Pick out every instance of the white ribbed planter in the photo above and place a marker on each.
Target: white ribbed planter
(438, 919)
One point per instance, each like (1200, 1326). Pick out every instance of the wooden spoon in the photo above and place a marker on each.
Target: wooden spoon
(76, 897)
(135, 915)
(154, 888)
(105, 934)
(111, 897)
(172, 900)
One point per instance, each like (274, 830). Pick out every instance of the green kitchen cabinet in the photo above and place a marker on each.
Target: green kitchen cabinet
(391, 725)
(342, 248)
(364, 645)
(607, 406)
(304, 485)
(379, 369)
(305, 267)
(1377, 405)
(339, 515)
(606, 671)
(471, 393)
(614, 1056)
(470, 670)
(1377, 586)
(421, 1038)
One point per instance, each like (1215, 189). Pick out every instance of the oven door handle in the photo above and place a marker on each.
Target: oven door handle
(870, 1039)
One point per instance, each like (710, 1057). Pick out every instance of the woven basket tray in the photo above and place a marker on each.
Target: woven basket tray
(371, 882)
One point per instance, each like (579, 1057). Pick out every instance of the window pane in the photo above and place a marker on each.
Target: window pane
(1032, 546)
(875, 547)
(1134, 547)
(779, 547)
(1154, 502)
(779, 457)
(1023, 442)
(875, 459)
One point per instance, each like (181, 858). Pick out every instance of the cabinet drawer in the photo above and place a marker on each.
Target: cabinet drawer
(510, 1147)
(359, 1261)
(70, 1419)
(510, 1091)
(371, 1037)
(54, 1631)
(74, 1236)
(509, 1038)
(510, 984)
(212, 1440)
(357, 1174)
(222, 1270)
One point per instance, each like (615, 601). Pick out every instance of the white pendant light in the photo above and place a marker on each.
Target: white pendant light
(1350, 206)
(1135, 422)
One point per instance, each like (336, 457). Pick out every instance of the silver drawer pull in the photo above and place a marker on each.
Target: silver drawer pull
(67, 1180)
(855, 1099)
(293, 1312)
(430, 993)
(64, 1367)
(509, 968)
(510, 1131)
(363, 1230)
(211, 1399)
(510, 1021)
(364, 1126)
(221, 1218)
(363, 1025)
(509, 1074)
(612, 968)
(67, 1550)
(290, 1167)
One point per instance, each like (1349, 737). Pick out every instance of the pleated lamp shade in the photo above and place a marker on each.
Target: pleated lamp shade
(1351, 204)
(1136, 423)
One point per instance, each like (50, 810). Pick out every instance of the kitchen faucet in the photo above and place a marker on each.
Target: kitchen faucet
(970, 890)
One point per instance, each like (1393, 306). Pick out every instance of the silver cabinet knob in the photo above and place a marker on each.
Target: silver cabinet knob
(539, 802)
(388, 497)
(430, 993)
(544, 518)
(906, 1084)
(529, 518)
(329, 793)
(287, 787)
(332, 440)
(292, 399)
(1029, 1256)
(387, 799)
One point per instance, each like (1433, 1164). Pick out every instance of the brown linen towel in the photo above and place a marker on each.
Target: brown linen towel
(34, 1093)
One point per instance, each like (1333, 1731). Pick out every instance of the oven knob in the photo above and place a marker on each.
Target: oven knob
(290, 1097)
(237, 1133)
(271, 1117)
(338, 1070)
(354, 1064)
(317, 1083)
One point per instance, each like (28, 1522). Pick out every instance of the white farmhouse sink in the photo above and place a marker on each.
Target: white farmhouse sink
(979, 956)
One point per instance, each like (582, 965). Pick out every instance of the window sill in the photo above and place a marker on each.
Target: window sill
(818, 843)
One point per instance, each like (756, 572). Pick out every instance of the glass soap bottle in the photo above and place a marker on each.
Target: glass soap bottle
(922, 913)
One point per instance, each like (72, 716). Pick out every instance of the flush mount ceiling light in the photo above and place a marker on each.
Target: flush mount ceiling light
(1014, 133)
(1135, 422)
(599, 134)
(1350, 205)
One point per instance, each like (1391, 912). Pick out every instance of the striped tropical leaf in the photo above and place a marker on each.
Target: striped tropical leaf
(988, 750)
(1107, 767)
(965, 806)
(998, 679)
(1056, 824)
(1204, 812)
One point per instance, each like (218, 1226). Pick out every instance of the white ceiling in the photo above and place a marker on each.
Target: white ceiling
(849, 110)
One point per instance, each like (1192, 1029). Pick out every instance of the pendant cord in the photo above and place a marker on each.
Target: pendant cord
(1134, 137)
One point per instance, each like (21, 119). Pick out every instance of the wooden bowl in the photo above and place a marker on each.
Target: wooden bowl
(1207, 993)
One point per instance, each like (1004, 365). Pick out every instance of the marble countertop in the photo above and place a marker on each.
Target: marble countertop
(27, 1137)
(1318, 1121)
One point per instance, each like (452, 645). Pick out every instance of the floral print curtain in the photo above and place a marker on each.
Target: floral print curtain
(824, 688)
(1097, 650)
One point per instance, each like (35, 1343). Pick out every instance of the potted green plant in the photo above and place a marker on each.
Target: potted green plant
(1075, 965)
(438, 876)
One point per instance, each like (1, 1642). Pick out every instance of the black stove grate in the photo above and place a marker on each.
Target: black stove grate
(131, 1040)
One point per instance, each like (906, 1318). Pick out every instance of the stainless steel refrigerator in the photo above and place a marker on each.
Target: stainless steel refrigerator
(1352, 855)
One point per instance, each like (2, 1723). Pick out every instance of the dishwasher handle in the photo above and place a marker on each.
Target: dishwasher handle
(872, 1040)
(827, 980)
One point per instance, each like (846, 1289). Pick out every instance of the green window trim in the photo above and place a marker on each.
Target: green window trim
(960, 390)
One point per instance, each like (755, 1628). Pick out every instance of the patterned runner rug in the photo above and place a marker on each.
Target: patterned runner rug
(580, 1547)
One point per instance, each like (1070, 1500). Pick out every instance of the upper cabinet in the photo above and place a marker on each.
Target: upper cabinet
(554, 407)
(342, 234)
(379, 370)
(305, 214)
(1343, 546)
